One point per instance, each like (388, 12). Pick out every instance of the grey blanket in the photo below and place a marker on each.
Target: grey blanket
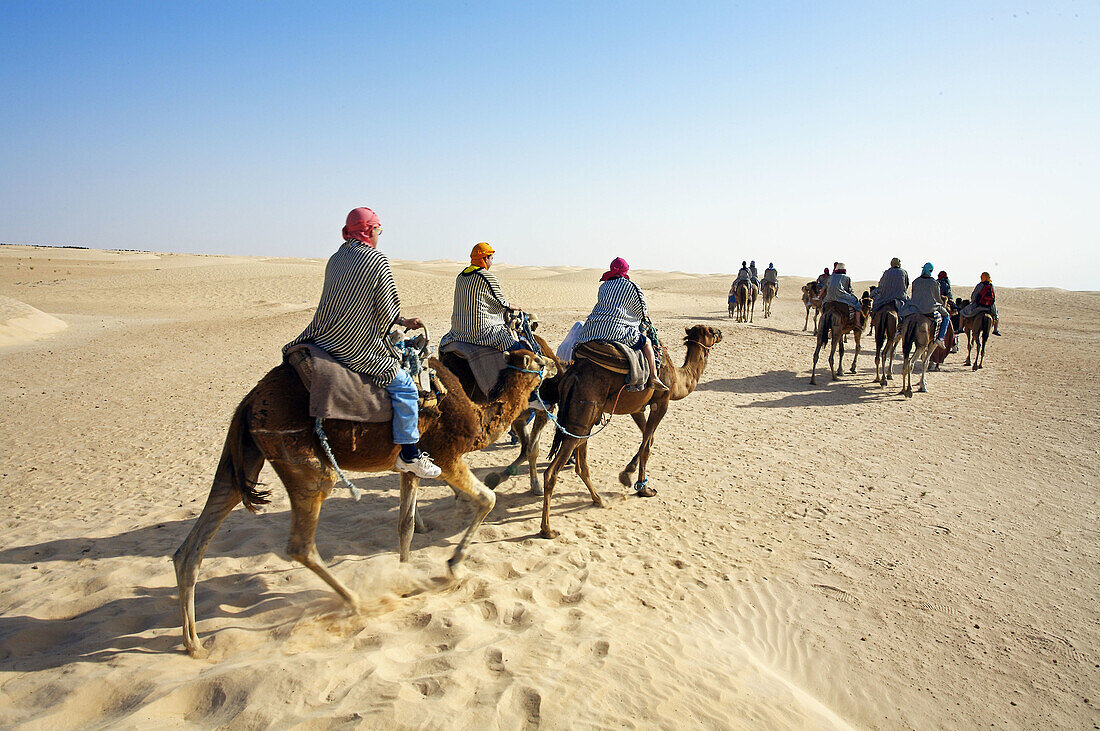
(485, 363)
(618, 358)
(335, 392)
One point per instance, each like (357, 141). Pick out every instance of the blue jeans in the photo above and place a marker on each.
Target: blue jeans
(406, 409)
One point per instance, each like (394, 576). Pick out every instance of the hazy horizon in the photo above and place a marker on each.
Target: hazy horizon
(681, 138)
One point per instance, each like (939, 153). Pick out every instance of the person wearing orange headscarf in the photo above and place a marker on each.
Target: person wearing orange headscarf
(984, 298)
(480, 312)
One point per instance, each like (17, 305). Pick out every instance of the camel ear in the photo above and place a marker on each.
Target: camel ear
(687, 330)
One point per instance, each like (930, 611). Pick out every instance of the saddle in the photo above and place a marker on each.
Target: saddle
(617, 358)
(485, 363)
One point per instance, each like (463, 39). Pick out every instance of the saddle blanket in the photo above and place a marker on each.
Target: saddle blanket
(617, 358)
(336, 392)
(485, 363)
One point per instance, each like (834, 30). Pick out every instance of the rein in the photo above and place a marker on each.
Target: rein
(706, 348)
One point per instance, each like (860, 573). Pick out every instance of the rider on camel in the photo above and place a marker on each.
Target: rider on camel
(621, 315)
(752, 273)
(926, 301)
(839, 289)
(820, 282)
(771, 276)
(892, 289)
(359, 305)
(984, 299)
(480, 312)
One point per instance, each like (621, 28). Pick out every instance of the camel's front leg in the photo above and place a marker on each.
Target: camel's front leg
(550, 479)
(656, 413)
(459, 477)
(813, 370)
(533, 451)
(855, 356)
(627, 475)
(832, 358)
(924, 369)
(493, 479)
(581, 454)
(406, 520)
(806, 324)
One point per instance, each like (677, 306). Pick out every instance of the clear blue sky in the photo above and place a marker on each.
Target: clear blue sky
(686, 135)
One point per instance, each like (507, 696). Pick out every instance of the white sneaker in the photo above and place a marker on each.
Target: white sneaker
(422, 466)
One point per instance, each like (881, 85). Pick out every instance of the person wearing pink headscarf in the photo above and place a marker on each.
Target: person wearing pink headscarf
(359, 305)
(621, 316)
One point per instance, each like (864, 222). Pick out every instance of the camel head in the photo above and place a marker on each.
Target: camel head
(525, 360)
(705, 335)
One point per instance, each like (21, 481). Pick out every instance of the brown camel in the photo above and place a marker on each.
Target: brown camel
(767, 291)
(916, 335)
(528, 437)
(885, 323)
(745, 294)
(811, 302)
(273, 423)
(588, 391)
(837, 320)
(977, 330)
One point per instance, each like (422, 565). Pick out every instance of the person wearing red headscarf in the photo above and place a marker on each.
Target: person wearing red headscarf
(621, 315)
(359, 305)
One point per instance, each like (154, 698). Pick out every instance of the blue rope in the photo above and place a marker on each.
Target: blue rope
(529, 335)
(320, 432)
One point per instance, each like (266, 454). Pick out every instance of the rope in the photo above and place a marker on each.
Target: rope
(566, 432)
(528, 334)
(320, 432)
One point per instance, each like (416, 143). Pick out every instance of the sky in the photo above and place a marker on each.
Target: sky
(681, 136)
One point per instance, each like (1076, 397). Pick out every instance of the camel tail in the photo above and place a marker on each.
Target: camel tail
(239, 458)
(908, 336)
(824, 327)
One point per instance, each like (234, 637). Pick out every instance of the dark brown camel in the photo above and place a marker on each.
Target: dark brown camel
(588, 391)
(916, 335)
(977, 330)
(745, 295)
(885, 323)
(273, 423)
(837, 321)
(767, 292)
(811, 302)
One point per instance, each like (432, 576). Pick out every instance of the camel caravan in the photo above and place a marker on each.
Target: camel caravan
(920, 316)
(360, 390)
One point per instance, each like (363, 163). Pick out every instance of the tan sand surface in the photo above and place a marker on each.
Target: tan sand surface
(816, 557)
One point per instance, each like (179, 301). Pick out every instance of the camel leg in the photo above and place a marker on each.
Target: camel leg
(308, 487)
(656, 413)
(223, 497)
(550, 479)
(493, 479)
(626, 476)
(406, 519)
(806, 324)
(855, 356)
(581, 469)
(924, 369)
(813, 371)
(832, 358)
(463, 480)
(533, 452)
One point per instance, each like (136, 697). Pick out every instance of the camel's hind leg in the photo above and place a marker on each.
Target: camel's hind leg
(541, 419)
(308, 486)
(459, 477)
(407, 514)
(223, 497)
(519, 426)
(855, 356)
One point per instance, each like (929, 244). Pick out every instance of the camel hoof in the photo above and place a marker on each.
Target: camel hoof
(646, 491)
(975, 367)
(537, 490)
(852, 369)
(422, 526)
(198, 653)
(548, 533)
(599, 503)
(813, 382)
(922, 390)
(624, 479)
(493, 479)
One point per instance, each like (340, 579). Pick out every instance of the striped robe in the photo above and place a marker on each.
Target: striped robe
(618, 315)
(359, 305)
(479, 313)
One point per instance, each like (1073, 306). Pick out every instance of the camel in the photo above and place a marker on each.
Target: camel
(273, 423)
(528, 438)
(977, 330)
(767, 291)
(940, 354)
(916, 334)
(588, 391)
(885, 323)
(836, 319)
(810, 301)
(745, 294)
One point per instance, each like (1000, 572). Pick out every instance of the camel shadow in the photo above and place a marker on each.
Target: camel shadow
(852, 388)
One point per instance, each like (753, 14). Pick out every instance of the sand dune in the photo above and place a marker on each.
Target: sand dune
(816, 557)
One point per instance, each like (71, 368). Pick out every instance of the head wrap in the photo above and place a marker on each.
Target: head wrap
(895, 262)
(771, 265)
(618, 268)
(941, 275)
(926, 270)
(826, 270)
(480, 253)
(752, 263)
(839, 268)
(360, 223)
(985, 277)
(743, 265)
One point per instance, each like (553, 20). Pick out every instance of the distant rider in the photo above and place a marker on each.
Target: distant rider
(839, 289)
(926, 301)
(893, 287)
(771, 276)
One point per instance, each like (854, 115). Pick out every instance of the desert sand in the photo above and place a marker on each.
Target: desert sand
(825, 556)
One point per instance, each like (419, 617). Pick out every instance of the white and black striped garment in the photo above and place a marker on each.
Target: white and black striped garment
(479, 313)
(618, 315)
(359, 305)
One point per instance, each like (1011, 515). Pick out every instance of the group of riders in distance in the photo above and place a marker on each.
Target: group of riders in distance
(923, 316)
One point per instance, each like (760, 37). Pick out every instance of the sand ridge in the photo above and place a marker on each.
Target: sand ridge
(820, 557)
